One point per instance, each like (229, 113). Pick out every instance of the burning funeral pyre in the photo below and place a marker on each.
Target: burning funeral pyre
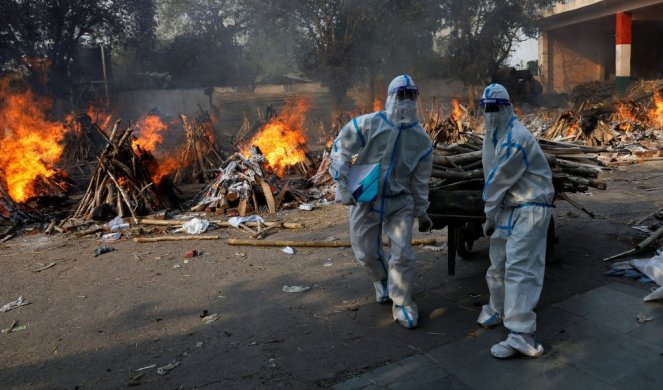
(30, 146)
(120, 185)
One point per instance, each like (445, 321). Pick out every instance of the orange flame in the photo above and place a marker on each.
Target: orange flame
(149, 133)
(282, 140)
(99, 116)
(656, 115)
(457, 112)
(29, 143)
(377, 105)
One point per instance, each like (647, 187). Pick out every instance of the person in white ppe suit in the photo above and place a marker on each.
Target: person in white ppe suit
(518, 192)
(387, 187)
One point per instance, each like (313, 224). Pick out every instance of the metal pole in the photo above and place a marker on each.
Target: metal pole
(103, 67)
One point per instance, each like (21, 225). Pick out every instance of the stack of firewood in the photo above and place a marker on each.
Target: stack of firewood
(239, 181)
(199, 156)
(120, 184)
(459, 165)
(575, 127)
(446, 128)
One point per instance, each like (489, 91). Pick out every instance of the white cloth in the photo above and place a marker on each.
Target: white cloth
(518, 193)
(653, 268)
(404, 153)
(235, 221)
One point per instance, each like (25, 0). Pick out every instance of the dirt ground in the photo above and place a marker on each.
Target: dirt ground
(93, 321)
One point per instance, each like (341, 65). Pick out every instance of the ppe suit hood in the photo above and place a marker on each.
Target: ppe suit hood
(496, 122)
(401, 112)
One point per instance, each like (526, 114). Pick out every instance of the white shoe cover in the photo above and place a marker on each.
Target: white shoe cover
(489, 318)
(517, 343)
(406, 315)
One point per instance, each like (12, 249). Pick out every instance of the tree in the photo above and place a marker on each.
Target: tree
(478, 35)
(343, 42)
(54, 29)
(200, 43)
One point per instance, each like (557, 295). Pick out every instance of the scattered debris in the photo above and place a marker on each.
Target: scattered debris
(111, 237)
(288, 250)
(135, 380)
(653, 268)
(306, 206)
(104, 249)
(15, 327)
(194, 226)
(163, 370)
(47, 266)
(145, 368)
(208, 319)
(295, 289)
(191, 254)
(642, 317)
(14, 304)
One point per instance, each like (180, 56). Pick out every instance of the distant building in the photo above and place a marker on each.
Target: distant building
(601, 40)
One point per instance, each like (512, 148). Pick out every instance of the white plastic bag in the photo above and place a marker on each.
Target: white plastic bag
(194, 226)
(653, 268)
(117, 223)
(235, 221)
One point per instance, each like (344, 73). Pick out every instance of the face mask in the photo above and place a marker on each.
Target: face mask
(405, 112)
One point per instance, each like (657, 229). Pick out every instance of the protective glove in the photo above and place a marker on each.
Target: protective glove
(425, 224)
(489, 226)
(345, 197)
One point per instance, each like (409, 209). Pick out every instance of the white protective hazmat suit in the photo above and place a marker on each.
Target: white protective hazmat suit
(518, 193)
(389, 183)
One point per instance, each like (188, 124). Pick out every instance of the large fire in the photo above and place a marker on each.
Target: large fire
(282, 140)
(656, 114)
(149, 135)
(30, 144)
(149, 132)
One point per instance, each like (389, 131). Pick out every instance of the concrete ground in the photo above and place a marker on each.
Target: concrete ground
(592, 341)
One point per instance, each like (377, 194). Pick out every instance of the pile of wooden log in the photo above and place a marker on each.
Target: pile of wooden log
(82, 144)
(574, 168)
(198, 157)
(446, 128)
(573, 126)
(239, 182)
(120, 185)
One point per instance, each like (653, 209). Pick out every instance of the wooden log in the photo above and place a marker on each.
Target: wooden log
(441, 174)
(241, 209)
(316, 244)
(269, 197)
(174, 238)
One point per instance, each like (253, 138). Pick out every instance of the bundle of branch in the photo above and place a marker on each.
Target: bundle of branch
(82, 144)
(240, 180)
(120, 185)
(199, 155)
(574, 169)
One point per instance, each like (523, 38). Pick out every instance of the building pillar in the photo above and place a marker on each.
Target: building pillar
(623, 51)
(545, 70)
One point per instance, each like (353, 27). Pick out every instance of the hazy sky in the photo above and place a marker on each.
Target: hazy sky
(525, 51)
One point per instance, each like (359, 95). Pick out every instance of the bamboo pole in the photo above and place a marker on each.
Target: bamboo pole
(173, 222)
(316, 244)
(174, 238)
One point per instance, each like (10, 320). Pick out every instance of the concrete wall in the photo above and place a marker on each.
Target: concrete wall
(578, 54)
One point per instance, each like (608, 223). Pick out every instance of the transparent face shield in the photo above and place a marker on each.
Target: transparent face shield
(403, 102)
(495, 113)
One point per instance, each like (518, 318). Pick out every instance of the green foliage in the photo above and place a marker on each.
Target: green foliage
(478, 35)
(54, 29)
